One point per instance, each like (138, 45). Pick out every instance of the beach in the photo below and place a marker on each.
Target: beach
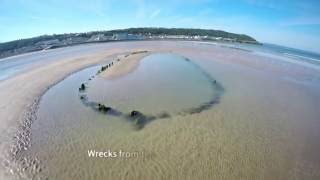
(265, 127)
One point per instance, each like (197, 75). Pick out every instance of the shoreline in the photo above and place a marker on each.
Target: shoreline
(129, 40)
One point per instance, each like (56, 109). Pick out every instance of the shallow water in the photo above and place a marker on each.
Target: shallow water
(163, 83)
(266, 125)
(12, 65)
(66, 129)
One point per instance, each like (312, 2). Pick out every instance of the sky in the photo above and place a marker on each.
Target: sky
(293, 23)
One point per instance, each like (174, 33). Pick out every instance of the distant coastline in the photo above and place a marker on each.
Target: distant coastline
(132, 34)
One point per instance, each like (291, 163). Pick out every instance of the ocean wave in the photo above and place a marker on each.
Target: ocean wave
(301, 57)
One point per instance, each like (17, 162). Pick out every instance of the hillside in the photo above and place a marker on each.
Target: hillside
(61, 40)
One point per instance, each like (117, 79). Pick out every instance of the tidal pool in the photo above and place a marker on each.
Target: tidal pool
(68, 126)
(163, 85)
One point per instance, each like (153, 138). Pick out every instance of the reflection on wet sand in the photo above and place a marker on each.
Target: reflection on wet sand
(138, 118)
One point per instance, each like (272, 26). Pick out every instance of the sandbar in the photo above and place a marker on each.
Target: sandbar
(124, 65)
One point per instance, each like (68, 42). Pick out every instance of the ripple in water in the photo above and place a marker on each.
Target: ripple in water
(163, 86)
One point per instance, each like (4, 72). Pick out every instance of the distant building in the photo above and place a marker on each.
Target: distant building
(77, 39)
(126, 36)
(48, 43)
(99, 37)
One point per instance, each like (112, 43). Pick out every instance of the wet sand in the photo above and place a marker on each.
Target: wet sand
(19, 102)
(124, 65)
(267, 126)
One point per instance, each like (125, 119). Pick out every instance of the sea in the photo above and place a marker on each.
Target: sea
(282, 52)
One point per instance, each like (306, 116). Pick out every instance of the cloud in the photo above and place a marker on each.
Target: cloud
(263, 3)
(35, 17)
(140, 8)
(302, 21)
(155, 13)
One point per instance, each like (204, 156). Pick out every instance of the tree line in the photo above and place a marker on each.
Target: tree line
(12, 45)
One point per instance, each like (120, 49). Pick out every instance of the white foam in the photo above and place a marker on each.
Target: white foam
(301, 57)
